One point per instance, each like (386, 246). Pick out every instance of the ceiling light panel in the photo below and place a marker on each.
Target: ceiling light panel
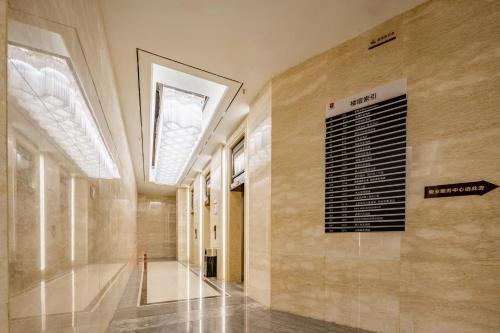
(46, 87)
(178, 130)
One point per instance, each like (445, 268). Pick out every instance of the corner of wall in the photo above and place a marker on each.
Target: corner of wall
(258, 279)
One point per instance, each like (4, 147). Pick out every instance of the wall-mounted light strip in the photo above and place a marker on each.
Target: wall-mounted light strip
(73, 299)
(43, 309)
(72, 219)
(42, 211)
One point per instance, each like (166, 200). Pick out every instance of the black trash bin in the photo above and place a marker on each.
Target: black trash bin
(210, 263)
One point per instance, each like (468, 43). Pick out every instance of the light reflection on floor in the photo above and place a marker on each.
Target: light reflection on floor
(72, 292)
(220, 314)
(168, 281)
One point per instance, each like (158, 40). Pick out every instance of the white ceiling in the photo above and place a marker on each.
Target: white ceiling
(246, 40)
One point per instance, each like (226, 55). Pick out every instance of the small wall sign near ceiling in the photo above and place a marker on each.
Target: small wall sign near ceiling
(459, 189)
(380, 40)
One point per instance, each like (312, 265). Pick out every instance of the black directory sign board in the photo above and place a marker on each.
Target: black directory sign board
(365, 155)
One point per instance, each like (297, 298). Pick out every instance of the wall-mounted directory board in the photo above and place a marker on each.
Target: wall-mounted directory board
(365, 156)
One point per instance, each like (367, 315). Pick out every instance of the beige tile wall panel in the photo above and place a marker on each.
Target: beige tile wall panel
(258, 142)
(193, 254)
(441, 274)
(112, 222)
(206, 223)
(197, 236)
(182, 216)
(297, 235)
(450, 254)
(235, 236)
(24, 231)
(4, 259)
(216, 209)
(57, 224)
(156, 226)
(81, 221)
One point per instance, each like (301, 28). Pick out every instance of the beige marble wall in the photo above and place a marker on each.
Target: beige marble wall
(200, 217)
(258, 141)
(156, 226)
(24, 231)
(187, 201)
(206, 218)
(217, 210)
(81, 221)
(216, 199)
(4, 272)
(105, 210)
(193, 253)
(27, 144)
(197, 239)
(182, 222)
(112, 222)
(450, 259)
(24, 240)
(441, 274)
(235, 237)
(58, 219)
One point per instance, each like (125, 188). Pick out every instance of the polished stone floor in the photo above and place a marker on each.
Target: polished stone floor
(81, 301)
(74, 291)
(231, 313)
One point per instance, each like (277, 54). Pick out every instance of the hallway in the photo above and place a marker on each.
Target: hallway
(263, 166)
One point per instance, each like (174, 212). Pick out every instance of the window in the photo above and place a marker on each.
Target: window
(239, 159)
(207, 190)
(238, 165)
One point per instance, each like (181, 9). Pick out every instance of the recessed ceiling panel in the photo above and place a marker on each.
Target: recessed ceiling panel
(180, 106)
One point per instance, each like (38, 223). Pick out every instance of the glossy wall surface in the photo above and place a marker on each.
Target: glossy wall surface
(4, 259)
(156, 226)
(217, 207)
(181, 200)
(196, 225)
(72, 236)
(235, 245)
(192, 214)
(258, 279)
(441, 274)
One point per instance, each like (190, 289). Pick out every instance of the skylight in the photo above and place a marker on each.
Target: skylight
(182, 107)
(178, 126)
(46, 87)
